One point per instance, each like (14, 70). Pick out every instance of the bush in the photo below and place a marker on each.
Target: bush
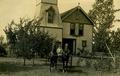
(3, 52)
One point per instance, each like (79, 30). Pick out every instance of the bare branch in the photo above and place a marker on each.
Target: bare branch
(117, 20)
(117, 10)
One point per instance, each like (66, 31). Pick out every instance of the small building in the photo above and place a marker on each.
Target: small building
(72, 27)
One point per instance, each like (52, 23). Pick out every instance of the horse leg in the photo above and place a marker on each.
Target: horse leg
(66, 65)
(51, 63)
(67, 60)
(63, 65)
(56, 63)
(50, 67)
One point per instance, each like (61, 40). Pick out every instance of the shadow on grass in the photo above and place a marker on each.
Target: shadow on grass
(7, 67)
(73, 69)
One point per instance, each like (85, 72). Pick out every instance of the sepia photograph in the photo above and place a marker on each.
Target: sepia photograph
(59, 38)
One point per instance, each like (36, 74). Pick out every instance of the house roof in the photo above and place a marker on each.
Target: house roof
(76, 14)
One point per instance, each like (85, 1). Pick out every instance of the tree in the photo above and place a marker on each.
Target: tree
(29, 39)
(1, 39)
(3, 51)
(103, 16)
(115, 46)
(11, 37)
(115, 41)
(3, 47)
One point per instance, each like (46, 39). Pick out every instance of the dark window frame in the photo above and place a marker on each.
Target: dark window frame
(81, 30)
(51, 14)
(84, 43)
(72, 28)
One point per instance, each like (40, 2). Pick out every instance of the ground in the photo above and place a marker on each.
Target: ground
(14, 67)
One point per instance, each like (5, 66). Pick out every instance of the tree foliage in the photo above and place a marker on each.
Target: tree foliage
(3, 45)
(115, 41)
(28, 38)
(103, 16)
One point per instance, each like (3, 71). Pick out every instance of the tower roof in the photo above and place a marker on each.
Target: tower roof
(49, 1)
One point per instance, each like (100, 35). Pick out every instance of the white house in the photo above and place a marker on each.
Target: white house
(73, 27)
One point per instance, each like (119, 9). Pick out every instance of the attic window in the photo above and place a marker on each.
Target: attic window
(51, 14)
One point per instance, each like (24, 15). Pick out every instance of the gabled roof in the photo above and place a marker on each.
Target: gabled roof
(78, 15)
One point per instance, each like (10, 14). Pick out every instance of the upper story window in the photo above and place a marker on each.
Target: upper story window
(76, 29)
(72, 29)
(81, 29)
(51, 13)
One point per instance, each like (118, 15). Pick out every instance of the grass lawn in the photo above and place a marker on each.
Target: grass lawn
(14, 67)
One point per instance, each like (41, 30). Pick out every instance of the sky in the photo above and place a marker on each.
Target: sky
(15, 9)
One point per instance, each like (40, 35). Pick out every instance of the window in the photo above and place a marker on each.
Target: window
(81, 29)
(72, 29)
(84, 43)
(51, 14)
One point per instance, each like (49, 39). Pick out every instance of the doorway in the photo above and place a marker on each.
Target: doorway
(71, 44)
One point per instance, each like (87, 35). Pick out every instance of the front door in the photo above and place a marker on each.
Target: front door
(71, 44)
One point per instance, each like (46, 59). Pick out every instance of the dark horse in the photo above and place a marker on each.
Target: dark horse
(53, 59)
(65, 60)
